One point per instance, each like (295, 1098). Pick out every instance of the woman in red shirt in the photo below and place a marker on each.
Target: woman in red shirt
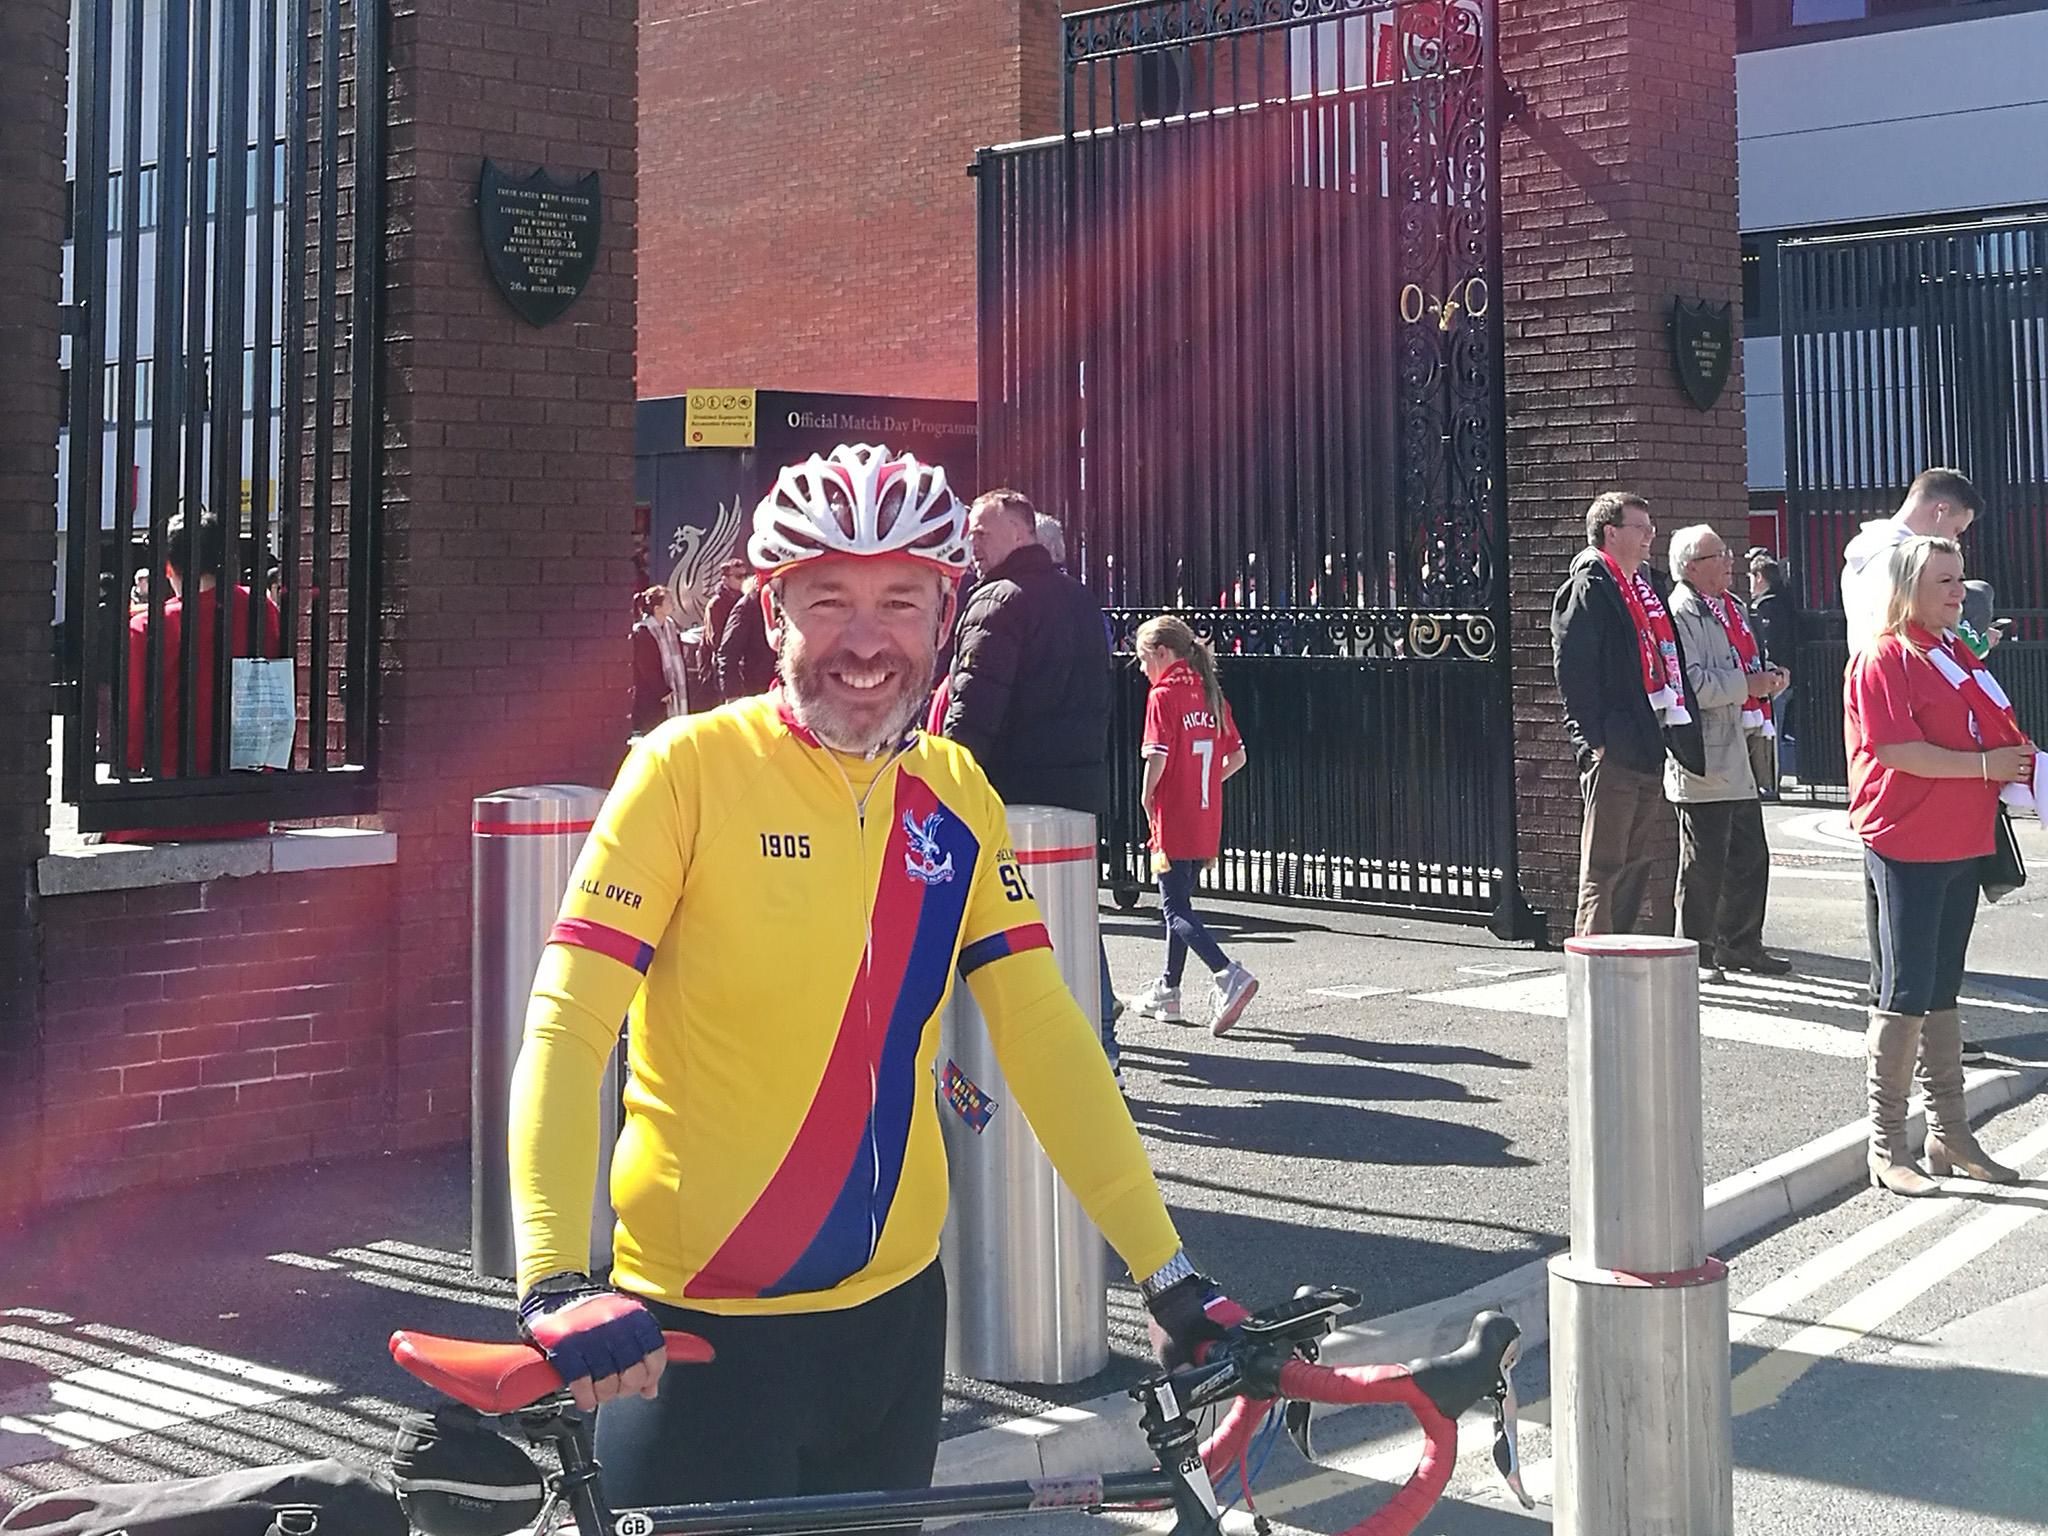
(1929, 747)
(1191, 747)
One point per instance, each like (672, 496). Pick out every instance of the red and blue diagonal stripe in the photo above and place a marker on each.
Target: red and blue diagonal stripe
(1011, 941)
(822, 1213)
(582, 933)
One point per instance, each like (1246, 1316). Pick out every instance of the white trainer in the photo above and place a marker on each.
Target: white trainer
(1158, 1001)
(1234, 988)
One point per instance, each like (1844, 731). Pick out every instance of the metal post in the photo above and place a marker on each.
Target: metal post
(1027, 1273)
(524, 843)
(1638, 1308)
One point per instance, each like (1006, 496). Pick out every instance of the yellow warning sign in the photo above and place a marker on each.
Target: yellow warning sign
(718, 418)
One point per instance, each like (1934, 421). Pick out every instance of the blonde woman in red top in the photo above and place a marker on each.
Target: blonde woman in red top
(1930, 746)
(1191, 747)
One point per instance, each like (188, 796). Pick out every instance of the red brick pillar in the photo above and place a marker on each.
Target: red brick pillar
(1618, 193)
(508, 477)
(33, 41)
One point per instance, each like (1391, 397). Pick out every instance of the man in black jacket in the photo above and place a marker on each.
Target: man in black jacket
(1029, 689)
(1628, 845)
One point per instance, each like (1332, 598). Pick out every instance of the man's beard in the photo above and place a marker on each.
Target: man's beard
(859, 727)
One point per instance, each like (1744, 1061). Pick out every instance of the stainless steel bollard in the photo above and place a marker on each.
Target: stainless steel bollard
(1027, 1273)
(523, 844)
(1638, 1308)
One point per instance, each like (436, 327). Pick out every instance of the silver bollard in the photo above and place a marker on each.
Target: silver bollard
(1027, 1274)
(524, 842)
(1638, 1308)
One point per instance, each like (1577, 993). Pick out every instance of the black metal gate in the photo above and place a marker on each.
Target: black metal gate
(1903, 351)
(224, 281)
(1240, 331)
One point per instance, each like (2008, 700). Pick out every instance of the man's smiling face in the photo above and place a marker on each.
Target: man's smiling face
(859, 640)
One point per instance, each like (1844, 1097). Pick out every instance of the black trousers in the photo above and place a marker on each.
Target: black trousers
(805, 1402)
(1919, 917)
(1724, 876)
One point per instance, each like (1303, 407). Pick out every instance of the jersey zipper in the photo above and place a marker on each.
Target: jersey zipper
(867, 961)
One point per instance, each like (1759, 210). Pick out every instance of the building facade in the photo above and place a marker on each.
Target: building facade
(1872, 115)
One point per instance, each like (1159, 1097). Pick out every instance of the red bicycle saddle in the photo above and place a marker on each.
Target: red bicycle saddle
(502, 1378)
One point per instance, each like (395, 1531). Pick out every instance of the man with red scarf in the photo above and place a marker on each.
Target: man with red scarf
(1724, 860)
(1621, 671)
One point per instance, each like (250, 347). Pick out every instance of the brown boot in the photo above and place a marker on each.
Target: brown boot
(1892, 1044)
(1950, 1145)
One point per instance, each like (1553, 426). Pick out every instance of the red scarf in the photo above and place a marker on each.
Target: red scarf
(1992, 720)
(1735, 624)
(1657, 642)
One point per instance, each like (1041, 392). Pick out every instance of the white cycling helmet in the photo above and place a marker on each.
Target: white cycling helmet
(859, 500)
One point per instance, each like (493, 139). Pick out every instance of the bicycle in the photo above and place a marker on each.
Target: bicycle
(1269, 1360)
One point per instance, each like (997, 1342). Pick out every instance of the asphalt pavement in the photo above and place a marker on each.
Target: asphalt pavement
(1389, 1115)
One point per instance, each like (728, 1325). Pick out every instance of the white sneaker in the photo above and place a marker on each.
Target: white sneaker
(1233, 989)
(1158, 1001)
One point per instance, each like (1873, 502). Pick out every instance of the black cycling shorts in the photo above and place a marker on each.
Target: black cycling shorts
(809, 1402)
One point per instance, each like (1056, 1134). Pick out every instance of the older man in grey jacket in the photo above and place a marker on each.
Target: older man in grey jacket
(1724, 863)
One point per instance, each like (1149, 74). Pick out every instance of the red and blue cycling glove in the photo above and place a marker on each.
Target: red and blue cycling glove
(586, 1329)
(1189, 1317)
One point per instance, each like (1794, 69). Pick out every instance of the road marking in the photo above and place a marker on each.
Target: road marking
(1500, 969)
(1768, 1304)
(1545, 997)
(1765, 1382)
(303, 1261)
(1352, 994)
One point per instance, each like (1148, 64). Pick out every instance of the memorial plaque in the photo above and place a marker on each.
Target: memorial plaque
(1702, 348)
(540, 238)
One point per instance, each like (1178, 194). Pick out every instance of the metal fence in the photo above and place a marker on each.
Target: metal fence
(1239, 332)
(1903, 351)
(223, 287)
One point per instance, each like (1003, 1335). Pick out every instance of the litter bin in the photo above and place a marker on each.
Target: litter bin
(1026, 1271)
(523, 844)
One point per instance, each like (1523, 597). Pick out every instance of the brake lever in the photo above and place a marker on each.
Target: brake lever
(1296, 1420)
(1507, 1453)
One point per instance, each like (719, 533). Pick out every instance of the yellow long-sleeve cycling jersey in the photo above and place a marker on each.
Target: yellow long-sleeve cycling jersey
(786, 923)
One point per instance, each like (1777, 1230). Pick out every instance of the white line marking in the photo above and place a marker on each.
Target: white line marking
(1352, 994)
(1501, 968)
(1768, 1304)
(303, 1261)
(1765, 1382)
(1545, 998)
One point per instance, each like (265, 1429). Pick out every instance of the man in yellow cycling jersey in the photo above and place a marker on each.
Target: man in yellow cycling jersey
(782, 892)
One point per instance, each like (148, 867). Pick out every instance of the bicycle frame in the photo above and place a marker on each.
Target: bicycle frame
(1169, 1430)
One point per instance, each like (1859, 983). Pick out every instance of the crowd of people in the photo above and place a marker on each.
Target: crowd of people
(1670, 689)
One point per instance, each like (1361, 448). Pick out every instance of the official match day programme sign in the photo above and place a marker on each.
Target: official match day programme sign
(539, 237)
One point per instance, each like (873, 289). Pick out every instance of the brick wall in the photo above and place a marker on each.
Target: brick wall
(33, 43)
(813, 227)
(1619, 195)
(231, 1024)
(508, 463)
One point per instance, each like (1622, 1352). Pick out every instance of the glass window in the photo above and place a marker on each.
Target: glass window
(146, 198)
(1814, 13)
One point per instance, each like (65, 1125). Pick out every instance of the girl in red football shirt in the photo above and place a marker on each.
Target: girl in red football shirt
(1932, 741)
(1191, 747)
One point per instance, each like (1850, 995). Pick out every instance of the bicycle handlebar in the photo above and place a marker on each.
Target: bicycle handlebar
(1435, 1391)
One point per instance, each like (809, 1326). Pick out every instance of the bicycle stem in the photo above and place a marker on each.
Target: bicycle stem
(1177, 1444)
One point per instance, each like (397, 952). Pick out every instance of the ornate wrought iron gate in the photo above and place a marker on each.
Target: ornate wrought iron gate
(1903, 351)
(1240, 331)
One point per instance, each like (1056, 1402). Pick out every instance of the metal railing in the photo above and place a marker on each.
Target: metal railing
(1240, 331)
(1903, 351)
(1373, 741)
(283, 281)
